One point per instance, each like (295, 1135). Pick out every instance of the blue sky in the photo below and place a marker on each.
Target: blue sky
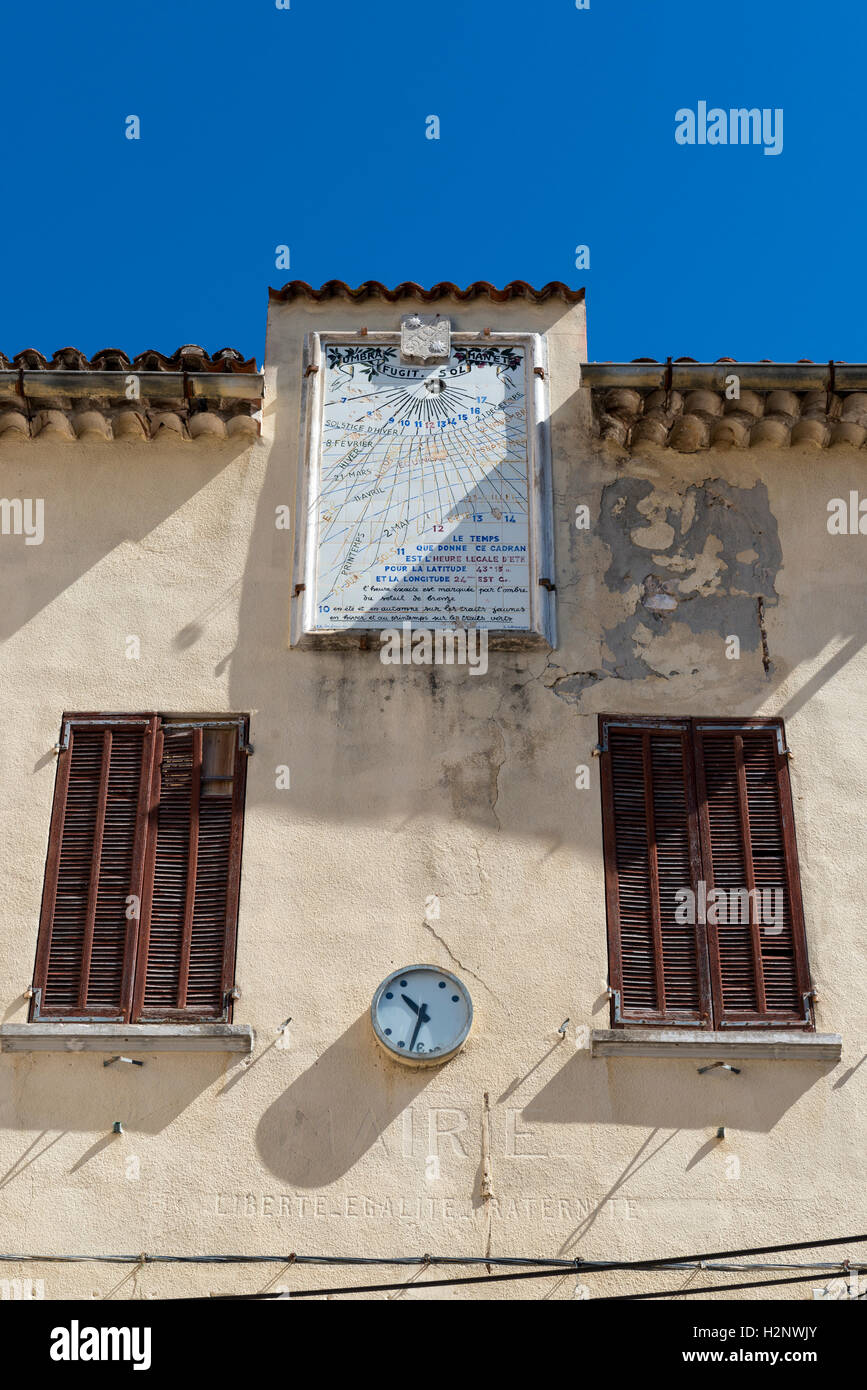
(306, 127)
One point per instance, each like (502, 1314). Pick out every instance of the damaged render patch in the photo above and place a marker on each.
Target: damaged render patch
(572, 686)
(717, 573)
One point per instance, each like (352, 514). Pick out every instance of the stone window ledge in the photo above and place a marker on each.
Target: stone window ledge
(776, 1043)
(126, 1037)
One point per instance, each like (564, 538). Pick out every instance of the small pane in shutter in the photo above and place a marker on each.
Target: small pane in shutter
(218, 760)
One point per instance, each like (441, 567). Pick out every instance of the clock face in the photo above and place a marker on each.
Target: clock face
(422, 1015)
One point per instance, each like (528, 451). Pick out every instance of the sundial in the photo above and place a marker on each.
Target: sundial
(422, 488)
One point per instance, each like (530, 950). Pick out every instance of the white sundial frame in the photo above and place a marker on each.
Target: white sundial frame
(541, 629)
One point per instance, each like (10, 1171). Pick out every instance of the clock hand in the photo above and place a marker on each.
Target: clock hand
(406, 999)
(423, 1017)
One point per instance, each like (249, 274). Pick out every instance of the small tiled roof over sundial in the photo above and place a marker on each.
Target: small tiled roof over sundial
(408, 289)
(190, 395)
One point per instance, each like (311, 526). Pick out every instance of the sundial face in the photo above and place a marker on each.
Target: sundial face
(422, 506)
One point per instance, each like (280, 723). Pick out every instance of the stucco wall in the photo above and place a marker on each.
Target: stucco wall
(407, 783)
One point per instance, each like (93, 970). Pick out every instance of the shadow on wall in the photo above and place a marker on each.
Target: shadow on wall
(337, 1110)
(671, 1094)
(382, 742)
(385, 742)
(94, 502)
(77, 1094)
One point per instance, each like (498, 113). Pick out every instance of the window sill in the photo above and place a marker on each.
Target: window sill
(775, 1043)
(126, 1037)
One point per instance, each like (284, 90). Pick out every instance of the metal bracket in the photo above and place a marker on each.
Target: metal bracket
(243, 746)
(783, 751)
(38, 1017)
(228, 999)
(650, 1023)
(629, 724)
(63, 746)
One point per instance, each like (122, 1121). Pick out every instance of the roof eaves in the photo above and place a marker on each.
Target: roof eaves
(374, 289)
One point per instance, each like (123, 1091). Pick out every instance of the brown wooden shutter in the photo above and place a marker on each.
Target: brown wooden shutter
(189, 917)
(658, 967)
(759, 974)
(93, 876)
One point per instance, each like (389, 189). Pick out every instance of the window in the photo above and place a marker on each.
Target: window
(703, 894)
(140, 903)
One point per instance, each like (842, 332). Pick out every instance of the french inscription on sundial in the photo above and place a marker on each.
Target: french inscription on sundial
(420, 505)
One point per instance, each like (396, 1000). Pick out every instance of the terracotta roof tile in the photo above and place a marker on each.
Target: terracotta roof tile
(373, 289)
(189, 358)
(688, 406)
(190, 395)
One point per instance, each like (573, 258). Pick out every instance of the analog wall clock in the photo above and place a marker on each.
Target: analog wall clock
(422, 1015)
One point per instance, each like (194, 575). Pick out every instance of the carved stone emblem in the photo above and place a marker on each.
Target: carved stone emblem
(424, 338)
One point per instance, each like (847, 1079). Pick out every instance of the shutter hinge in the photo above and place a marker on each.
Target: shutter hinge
(614, 995)
(784, 752)
(546, 584)
(229, 998)
(36, 995)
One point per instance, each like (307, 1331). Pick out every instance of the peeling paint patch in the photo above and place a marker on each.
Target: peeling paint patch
(572, 686)
(716, 556)
(655, 537)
